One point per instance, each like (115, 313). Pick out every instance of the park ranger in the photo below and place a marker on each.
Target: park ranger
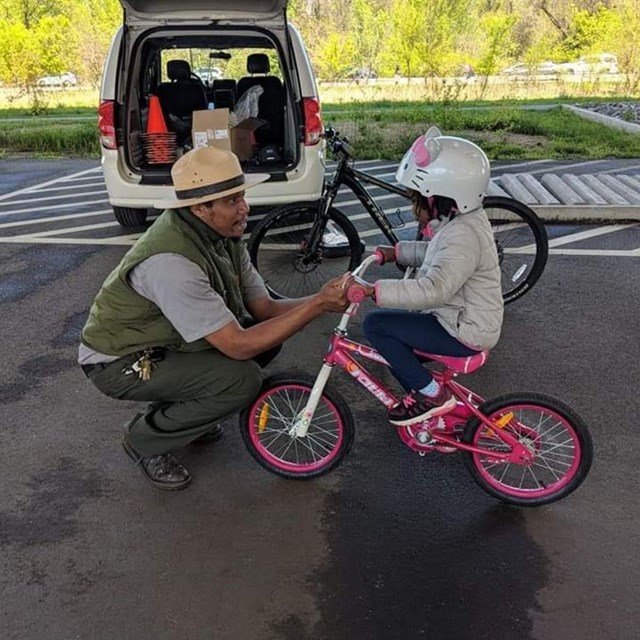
(185, 322)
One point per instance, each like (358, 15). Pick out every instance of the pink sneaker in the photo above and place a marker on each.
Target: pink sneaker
(416, 407)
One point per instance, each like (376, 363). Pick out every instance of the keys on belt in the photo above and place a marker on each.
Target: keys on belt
(143, 366)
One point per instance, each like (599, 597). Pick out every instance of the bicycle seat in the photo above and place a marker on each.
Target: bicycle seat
(468, 364)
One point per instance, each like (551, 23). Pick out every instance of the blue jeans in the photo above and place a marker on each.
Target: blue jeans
(396, 333)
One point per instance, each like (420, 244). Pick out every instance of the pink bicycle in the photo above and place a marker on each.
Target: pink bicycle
(526, 449)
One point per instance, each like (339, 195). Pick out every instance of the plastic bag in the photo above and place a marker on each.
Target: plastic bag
(247, 105)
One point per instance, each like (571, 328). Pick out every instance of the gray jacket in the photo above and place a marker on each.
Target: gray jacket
(458, 279)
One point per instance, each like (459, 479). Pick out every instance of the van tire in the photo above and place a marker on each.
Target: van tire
(129, 217)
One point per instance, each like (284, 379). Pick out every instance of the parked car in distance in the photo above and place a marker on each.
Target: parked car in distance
(593, 64)
(362, 74)
(66, 79)
(546, 68)
(208, 74)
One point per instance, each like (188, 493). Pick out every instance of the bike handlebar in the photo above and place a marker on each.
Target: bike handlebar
(356, 293)
(375, 257)
(338, 143)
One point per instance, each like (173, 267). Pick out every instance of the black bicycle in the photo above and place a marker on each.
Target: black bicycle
(298, 247)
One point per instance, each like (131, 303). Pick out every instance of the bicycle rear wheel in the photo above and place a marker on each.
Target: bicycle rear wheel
(279, 249)
(556, 436)
(522, 243)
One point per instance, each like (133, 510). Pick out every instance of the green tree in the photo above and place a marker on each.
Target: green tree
(406, 35)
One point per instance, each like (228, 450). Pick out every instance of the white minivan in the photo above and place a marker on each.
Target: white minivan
(250, 44)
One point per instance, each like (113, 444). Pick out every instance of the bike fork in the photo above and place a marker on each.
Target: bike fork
(303, 421)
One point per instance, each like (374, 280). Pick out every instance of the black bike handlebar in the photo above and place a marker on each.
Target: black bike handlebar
(338, 144)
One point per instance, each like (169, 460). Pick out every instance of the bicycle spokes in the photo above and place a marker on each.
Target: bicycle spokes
(550, 442)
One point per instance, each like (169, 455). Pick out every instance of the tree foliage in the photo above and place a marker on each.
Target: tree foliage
(410, 37)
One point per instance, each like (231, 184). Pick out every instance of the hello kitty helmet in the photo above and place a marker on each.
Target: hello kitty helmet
(438, 165)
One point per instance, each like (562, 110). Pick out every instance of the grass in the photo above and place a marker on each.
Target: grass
(46, 137)
(503, 132)
(382, 128)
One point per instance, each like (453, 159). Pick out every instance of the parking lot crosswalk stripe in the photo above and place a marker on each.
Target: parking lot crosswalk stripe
(69, 186)
(53, 206)
(64, 196)
(11, 194)
(56, 232)
(73, 216)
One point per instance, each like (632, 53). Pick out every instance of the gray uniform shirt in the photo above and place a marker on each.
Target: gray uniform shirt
(183, 293)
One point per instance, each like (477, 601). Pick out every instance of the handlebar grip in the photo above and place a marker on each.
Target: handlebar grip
(379, 256)
(356, 293)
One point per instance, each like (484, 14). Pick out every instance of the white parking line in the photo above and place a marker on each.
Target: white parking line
(589, 233)
(71, 186)
(73, 216)
(64, 196)
(605, 253)
(12, 194)
(57, 232)
(53, 206)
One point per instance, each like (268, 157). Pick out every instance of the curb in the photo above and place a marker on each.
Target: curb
(588, 213)
(616, 123)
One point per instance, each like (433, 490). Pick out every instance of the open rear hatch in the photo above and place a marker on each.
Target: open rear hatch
(165, 12)
(242, 53)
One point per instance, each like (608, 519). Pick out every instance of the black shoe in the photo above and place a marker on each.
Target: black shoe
(416, 407)
(162, 471)
(213, 435)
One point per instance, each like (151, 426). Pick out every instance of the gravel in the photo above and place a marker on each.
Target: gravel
(627, 111)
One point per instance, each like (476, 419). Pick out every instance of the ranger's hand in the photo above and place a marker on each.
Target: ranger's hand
(333, 294)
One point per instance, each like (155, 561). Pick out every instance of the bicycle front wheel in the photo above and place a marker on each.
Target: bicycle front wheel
(266, 428)
(279, 247)
(556, 436)
(522, 244)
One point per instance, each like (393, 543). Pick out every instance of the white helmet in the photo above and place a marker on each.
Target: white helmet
(438, 165)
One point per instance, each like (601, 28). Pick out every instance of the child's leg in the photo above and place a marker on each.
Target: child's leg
(396, 333)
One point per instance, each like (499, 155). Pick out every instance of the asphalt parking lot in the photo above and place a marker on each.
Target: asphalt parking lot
(390, 546)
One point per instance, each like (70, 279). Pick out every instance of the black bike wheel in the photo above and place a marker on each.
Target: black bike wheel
(278, 249)
(522, 243)
(553, 432)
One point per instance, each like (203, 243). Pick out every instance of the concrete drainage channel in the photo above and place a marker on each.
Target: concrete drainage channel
(568, 197)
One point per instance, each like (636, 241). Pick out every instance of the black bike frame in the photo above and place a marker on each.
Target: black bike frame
(347, 175)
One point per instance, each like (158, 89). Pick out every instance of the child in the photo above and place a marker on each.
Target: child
(454, 305)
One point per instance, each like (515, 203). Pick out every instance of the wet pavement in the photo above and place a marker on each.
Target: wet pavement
(391, 546)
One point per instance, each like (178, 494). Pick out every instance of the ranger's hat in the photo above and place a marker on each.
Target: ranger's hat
(208, 173)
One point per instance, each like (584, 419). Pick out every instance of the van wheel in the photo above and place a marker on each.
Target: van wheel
(129, 217)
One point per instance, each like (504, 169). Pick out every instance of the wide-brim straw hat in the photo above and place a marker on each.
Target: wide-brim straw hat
(208, 173)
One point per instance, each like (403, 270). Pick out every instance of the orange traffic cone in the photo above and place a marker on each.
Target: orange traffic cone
(155, 123)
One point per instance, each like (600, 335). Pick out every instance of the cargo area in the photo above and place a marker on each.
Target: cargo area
(225, 89)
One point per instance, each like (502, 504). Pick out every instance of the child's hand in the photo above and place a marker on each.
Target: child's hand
(387, 254)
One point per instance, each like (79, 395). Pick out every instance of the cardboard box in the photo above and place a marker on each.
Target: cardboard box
(210, 128)
(243, 139)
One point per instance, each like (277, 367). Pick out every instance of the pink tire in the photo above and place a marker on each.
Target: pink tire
(266, 423)
(554, 433)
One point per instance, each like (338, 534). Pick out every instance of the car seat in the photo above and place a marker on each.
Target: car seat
(181, 96)
(224, 93)
(272, 101)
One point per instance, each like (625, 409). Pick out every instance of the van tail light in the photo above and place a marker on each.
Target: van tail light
(106, 124)
(312, 121)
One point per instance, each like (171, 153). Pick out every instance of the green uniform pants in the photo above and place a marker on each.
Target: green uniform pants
(188, 393)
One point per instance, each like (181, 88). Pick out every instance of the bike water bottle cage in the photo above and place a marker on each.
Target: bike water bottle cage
(447, 166)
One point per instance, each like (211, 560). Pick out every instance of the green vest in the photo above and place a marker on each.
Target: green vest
(122, 321)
